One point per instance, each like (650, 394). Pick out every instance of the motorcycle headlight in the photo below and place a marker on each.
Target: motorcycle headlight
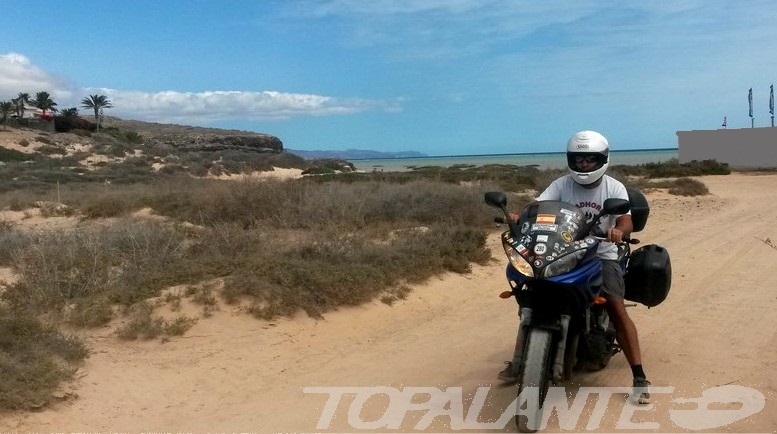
(518, 262)
(564, 264)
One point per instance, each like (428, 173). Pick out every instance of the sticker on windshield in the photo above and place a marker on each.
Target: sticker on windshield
(525, 227)
(566, 236)
(546, 218)
(542, 238)
(540, 249)
(544, 227)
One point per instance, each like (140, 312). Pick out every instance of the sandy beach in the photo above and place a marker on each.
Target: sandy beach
(234, 373)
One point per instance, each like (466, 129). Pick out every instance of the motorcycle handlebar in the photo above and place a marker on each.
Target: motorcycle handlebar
(624, 240)
(596, 233)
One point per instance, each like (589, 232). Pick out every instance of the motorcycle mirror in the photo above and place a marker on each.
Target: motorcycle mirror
(496, 199)
(615, 206)
(611, 206)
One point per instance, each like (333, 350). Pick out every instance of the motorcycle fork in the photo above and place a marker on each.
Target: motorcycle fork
(520, 339)
(557, 368)
(558, 362)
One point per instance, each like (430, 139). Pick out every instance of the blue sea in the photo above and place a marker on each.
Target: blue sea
(553, 160)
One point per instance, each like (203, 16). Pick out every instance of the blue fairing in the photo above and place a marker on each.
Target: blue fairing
(583, 274)
(586, 273)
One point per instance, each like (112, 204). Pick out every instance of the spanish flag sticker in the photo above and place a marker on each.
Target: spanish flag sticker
(546, 218)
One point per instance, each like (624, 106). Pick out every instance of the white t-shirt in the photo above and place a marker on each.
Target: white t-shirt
(590, 201)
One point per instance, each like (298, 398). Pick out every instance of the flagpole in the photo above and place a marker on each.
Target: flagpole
(771, 102)
(750, 103)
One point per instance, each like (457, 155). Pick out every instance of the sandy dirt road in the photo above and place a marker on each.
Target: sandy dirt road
(232, 373)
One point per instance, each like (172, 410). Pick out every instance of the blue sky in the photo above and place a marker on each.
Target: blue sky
(442, 77)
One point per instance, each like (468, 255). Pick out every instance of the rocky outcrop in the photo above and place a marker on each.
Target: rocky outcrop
(218, 142)
(191, 138)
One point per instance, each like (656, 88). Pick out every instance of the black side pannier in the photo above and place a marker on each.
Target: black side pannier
(649, 275)
(639, 209)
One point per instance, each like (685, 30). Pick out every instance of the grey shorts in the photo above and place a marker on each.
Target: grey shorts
(612, 279)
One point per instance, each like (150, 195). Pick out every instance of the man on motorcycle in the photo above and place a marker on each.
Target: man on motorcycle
(587, 187)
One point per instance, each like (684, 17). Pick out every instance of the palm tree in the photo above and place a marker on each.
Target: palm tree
(44, 102)
(96, 103)
(6, 108)
(20, 102)
(69, 112)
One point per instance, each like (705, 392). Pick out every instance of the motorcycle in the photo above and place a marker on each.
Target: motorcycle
(555, 276)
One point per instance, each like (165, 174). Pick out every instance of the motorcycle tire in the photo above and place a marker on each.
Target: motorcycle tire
(535, 374)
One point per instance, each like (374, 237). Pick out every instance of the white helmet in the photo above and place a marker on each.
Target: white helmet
(588, 144)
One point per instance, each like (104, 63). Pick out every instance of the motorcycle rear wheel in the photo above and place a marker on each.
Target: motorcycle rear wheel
(535, 377)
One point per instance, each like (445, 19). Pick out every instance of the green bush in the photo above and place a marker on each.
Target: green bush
(51, 150)
(45, 139)
(65, 124)
(133, 137)
(672, 169)
(688, 187)
(13, 155)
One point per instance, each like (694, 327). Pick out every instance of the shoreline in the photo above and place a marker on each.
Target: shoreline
(551, 160)
(512, 154)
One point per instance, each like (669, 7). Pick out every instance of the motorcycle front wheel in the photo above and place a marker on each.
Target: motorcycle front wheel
(535, 379)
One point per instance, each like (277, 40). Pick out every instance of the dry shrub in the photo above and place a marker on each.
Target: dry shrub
(142, 324)
(671, 169)
(145, 324)
(349, 270)
(688, 187)
(179, 325)
(122, 264)
(34, 359)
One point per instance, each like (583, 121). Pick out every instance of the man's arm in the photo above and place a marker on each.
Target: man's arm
(623, 228)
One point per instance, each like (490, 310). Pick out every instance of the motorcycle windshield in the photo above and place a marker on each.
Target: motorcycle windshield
(551, 229)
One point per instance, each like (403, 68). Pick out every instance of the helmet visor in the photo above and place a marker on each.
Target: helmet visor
(584, 162)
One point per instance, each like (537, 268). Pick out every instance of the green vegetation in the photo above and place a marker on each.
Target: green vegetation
(683, 187)
(45, 103)
(7, 155)
(97, 103)
(341, 244)
(673, 168)
(6, 108)
(504, 176)
(20, 103)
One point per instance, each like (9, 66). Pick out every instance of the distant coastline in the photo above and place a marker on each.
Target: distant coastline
(355, 154)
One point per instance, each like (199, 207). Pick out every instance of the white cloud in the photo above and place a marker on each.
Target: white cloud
(172, 106)
(19, 74)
